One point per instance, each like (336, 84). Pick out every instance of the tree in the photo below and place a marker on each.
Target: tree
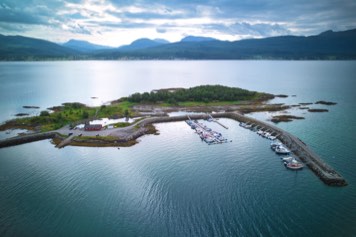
(85, 115)
(126, 113)
(44, 113)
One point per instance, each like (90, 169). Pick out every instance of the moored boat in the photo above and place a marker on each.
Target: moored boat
(281, 150)
(275, 144)
(287, 159)
(294, 165)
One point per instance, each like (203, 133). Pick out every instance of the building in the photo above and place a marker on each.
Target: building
(93, 127)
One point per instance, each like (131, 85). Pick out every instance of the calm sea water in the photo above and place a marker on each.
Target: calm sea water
(173, 184)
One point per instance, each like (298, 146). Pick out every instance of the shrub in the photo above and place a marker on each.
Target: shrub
(44, 113)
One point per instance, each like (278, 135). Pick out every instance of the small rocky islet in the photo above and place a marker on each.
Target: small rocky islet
(30, 107)
(285, 118)
(318, 110)
(322, 102)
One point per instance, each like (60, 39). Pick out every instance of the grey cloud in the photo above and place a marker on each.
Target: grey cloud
(161, 30)
(10, 28)
(27, 12)
(258, 18)
(260, 29)
(79, 29)
(124, 25)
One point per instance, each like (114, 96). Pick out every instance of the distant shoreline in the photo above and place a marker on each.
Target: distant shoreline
(175, 59)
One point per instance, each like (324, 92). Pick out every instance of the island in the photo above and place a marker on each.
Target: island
(60, 123)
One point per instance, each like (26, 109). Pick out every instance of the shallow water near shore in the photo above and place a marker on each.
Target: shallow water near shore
(173, 184)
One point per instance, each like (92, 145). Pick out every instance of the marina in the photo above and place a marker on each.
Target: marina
(205, 133)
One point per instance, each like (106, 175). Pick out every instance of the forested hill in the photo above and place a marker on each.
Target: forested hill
(325, 46)
(26, 48)
(206, 93)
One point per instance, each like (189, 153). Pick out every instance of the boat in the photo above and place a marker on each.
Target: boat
(275, 144)
(294, 165)
(272, 137)
(248, 126)
(287, 159)
(209, 140)
(242, 124)
(245, 125)
(282, 150)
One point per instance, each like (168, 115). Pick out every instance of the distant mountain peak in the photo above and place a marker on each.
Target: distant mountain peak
(328, 32)
(192, 38)
(163, 41)
(143, 43)
(84, 46)
(76, 41)
(160, 41)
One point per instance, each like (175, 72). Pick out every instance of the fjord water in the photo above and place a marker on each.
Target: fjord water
(173, 184)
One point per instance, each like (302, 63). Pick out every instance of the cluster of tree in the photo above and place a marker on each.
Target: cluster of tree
(207, 93)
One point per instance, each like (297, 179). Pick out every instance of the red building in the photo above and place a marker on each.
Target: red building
(93, 127)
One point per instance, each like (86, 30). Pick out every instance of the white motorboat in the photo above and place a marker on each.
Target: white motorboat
(282, 150)
(275, 144)
(287, 159)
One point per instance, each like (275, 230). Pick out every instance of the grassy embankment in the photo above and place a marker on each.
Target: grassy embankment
(69, 113)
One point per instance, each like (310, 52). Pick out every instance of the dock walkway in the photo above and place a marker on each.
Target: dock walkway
(216, 121)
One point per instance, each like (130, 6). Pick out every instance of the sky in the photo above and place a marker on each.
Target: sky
(119, 22)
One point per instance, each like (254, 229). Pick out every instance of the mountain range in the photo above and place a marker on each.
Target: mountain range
(327, 45)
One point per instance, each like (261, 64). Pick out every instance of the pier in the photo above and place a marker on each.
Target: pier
(216, 121)
(325, 172)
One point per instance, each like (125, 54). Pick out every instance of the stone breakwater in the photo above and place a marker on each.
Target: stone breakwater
(13, 141)
(326, 173)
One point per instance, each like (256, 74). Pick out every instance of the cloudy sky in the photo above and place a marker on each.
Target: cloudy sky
(118, 22)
